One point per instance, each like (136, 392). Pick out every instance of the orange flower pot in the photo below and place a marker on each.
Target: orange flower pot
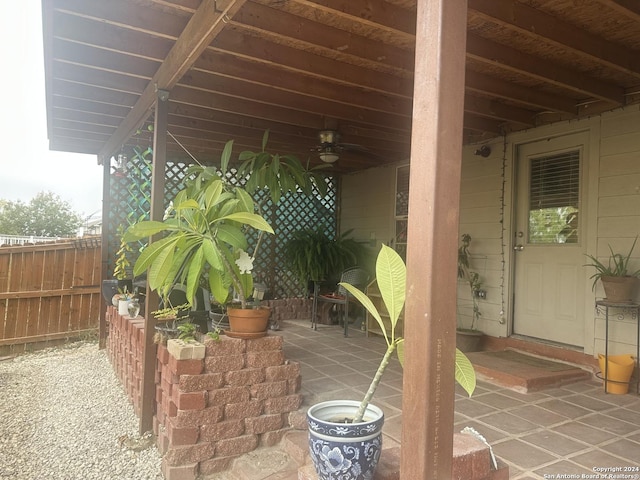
(619, 369)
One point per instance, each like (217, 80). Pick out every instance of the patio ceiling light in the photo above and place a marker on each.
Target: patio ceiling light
(328, 155)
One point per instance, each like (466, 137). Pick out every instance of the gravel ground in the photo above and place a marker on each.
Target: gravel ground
(64, 415)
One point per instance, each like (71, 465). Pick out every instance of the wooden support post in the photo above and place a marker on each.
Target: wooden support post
(430, 315)
(157, 212)
(104, 250)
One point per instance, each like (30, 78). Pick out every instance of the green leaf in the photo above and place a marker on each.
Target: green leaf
(265, 139)
(245, 201)
(465, 374)
(219, 287)
(211, 254)
(195, 269)
(226, 156)
(231, 235)
(144, 229)
(391, 274)
(252, 219)
(149, 254)
(368, 304)
(187, 204)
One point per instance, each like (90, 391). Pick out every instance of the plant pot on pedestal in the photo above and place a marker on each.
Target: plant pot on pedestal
(342, 450)
(619, 289)
(248, 322)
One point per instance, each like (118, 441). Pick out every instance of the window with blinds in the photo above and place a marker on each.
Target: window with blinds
(554, 198)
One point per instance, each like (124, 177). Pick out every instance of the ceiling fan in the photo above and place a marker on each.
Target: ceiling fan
(330, 147)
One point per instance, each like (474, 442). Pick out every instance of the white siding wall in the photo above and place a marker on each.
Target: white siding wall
(618, 214)
(367, 205)
(482, 193)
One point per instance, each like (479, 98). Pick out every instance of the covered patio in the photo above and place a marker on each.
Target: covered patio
(428, 82)
(571, 429)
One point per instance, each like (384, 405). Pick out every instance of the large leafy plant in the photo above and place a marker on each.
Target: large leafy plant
(391, 274)
(205, 231)
(314, 256)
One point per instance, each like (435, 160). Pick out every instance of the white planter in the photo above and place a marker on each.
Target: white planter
(123, 307)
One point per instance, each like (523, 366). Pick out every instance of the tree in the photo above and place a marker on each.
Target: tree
(46, 215)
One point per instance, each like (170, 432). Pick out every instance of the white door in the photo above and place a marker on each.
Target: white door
(548, 243)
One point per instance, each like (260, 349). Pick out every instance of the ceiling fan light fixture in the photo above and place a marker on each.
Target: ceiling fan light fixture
(329, 156)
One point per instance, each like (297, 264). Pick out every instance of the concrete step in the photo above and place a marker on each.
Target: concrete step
(523, 372)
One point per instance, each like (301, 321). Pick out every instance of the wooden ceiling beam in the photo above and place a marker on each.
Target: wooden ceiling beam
(105, 60)
(120, 13)
(508, 58)
(376, 14)
(83, 75)
(235, 67)
(268, 95)
(539, 25)
(498, 111)
(316, 36)
(193, 116)
(631, 8)
(262, 52)
(109, 37)
(494, 87)
(483, 124)
(205, 24)
(97, 94)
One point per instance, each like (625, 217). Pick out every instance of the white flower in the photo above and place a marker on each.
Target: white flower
(245, 262)
(168, 210)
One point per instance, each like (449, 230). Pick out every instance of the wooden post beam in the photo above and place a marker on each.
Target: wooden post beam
(148, 396)
(434, 189)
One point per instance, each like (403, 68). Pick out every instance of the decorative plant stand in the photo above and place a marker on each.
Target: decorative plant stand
(630, 306)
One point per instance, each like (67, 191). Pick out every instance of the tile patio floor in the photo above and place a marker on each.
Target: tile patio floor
(569, 430)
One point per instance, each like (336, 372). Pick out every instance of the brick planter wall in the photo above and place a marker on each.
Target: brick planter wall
(214, 401)
(289, 308)
(217, 401)
(125, 347)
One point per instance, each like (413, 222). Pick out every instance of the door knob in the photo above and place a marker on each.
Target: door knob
(518, 248)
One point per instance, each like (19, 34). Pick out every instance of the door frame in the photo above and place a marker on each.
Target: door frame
(591, 127)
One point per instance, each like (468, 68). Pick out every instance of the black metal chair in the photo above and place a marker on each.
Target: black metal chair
(355, 276)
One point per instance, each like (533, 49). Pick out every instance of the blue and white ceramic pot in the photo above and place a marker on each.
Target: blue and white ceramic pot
(341, 450)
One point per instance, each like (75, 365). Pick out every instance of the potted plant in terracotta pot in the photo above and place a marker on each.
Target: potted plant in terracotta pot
(345, 436)
(618, 281)
(205, 231)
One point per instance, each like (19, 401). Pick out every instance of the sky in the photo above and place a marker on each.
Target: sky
(27, 166)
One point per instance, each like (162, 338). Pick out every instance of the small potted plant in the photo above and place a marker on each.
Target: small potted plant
(206, 231)
(122, 281)
(468, 338)
(345, 437)
(618, 281)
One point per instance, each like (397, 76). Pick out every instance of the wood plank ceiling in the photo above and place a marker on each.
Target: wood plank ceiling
(299, 66)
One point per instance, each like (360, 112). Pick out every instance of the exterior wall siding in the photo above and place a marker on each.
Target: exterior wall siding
(612, 216)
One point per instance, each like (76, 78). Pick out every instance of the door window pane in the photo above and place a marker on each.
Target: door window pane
(554, 193)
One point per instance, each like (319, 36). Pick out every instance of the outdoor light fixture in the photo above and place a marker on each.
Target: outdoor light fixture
(483, 151)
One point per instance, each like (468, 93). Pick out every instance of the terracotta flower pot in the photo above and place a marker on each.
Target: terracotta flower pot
(249, 321)
(619, 289)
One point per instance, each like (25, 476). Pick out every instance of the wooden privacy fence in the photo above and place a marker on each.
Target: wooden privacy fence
(49, 291)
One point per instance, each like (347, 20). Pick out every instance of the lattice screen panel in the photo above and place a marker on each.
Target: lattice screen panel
(131, 200)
